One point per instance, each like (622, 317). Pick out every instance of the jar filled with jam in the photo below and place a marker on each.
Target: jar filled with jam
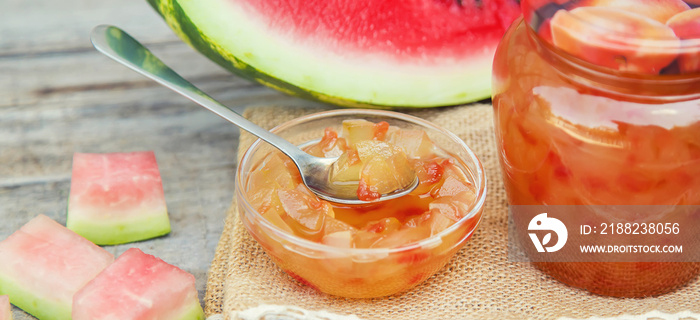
(597, 103)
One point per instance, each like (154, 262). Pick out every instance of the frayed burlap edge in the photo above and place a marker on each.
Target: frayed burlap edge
(478, 283)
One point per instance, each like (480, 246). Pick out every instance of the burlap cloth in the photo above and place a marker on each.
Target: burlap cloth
(478, 283)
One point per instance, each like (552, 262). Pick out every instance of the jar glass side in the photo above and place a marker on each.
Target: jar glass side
(570, 133)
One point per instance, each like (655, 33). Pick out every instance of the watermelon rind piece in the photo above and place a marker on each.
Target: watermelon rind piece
(139, 286)
(43, 264)
(117, 198)
(229, 36)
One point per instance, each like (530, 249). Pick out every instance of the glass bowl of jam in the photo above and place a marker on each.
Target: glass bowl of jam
(597, 103)
(374, 249)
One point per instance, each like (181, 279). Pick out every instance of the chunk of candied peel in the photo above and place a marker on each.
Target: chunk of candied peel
(385, 169)
(305, 213)
(415, 143)
(357, 130)
(274, 173)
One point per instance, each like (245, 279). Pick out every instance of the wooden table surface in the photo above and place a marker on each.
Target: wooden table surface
(59, 96)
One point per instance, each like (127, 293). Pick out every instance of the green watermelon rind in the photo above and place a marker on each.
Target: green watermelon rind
(193, 312)
(37, 306)
(474, 85)
(110, 232)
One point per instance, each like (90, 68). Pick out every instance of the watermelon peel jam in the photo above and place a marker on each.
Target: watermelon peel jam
(596, 104)
(368, 250)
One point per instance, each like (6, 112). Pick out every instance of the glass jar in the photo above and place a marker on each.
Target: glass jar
(591, 112)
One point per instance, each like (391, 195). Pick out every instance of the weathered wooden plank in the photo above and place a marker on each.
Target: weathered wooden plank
(41, 26)
(67, 77)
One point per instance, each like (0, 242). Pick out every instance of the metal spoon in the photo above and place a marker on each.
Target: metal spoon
(315, 172)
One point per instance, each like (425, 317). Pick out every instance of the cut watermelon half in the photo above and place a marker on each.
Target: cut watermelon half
(367, 53)
(139, 286)
(43, 264)
(5, 308)
(117, 198)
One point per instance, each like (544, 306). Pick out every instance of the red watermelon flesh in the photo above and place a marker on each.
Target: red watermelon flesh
(5, 308)
(117, 198)
(44, 264)
(139, 286)
(400, 28)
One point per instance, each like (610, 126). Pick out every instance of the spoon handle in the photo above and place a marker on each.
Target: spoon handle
(121, 47)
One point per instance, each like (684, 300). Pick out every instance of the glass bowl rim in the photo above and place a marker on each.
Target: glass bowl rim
(434, 240)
